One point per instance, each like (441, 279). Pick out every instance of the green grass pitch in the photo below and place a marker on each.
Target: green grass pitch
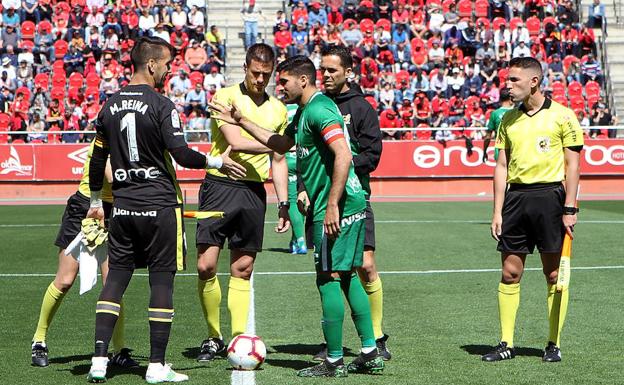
(439, 321)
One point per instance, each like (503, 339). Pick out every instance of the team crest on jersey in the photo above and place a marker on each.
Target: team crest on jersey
(302, 152)
(543, 144)
(354, 183)
(347, 119)
(175, 119)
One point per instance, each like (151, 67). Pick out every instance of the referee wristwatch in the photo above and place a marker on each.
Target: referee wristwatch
(567, 210)
(283, 204)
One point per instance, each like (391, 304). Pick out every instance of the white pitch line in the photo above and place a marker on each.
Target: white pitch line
(247, 377)
(424, 221)
(396, 272)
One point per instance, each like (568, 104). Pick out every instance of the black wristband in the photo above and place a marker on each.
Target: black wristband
(567, 210)
(283, 204)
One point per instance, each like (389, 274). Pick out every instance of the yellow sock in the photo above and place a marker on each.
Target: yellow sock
(119, 336)
(210, 299)
(557, 309)
(238, 304)
(508, 302)
(374, 290)
(51, 301)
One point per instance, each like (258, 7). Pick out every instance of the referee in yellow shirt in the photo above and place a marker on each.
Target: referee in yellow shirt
(540, 143)
(242, 201)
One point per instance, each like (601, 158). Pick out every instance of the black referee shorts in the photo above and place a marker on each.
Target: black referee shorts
(369, 235)
(146, 238)
(532, 217)
(244, 205)
(75, 211)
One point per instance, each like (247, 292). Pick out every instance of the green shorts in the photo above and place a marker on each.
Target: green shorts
(344, 253)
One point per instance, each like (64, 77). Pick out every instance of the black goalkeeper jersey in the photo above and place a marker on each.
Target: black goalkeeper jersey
(139, 126)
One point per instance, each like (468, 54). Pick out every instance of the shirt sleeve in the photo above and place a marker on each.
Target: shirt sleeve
(501, 136)
(571, 131)
(327, 123)
(171, 126)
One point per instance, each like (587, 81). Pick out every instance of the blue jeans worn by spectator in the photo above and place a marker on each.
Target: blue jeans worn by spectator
(251, 33)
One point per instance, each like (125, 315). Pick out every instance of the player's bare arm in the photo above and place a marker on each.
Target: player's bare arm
(229, 167)
(500, 184)
(279, 169)
(573, 170)
(486, 143)
(97, 171)
(238, 142)
(342, 162)
(232, 115)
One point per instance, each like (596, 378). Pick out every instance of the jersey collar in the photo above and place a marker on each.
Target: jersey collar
(244, 91)
(545, 106)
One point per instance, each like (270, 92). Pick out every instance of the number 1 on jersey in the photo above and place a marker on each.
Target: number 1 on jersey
(129, 122)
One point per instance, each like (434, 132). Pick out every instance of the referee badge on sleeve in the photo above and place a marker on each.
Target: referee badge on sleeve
(175, 118)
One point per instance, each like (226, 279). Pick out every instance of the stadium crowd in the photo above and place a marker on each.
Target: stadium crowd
(434, 63)
(441, 63)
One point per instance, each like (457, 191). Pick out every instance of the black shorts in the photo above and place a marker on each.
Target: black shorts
(244, 205)
(532, 217)
(75, 211)
(147, 238)
(369, 235)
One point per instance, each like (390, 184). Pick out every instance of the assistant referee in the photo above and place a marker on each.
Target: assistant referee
(535, 185)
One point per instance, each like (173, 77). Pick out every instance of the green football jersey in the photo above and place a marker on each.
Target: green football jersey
(314, 127)
(495, 120)
(291, 156)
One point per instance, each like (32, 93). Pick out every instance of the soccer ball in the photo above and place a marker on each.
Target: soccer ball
(246, 352)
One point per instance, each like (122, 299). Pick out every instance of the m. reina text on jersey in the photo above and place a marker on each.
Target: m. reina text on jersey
(130, 104)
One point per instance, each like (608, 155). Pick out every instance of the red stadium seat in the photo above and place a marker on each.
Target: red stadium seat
(26, 45)
(58, 94)
(5, 120)
(446, 5)
(558, 87)
(44, 27)
(76, 80)
(348, 22)
(196, 77)
(58, 66)
(423, 134)
(497, 22)
(60, 48)
(561, 99)
(577, 103)
(367, 25)
(482, 8)
(431, 2)
(568, 60)
(93, 80)
(513, 23)
(533, 25)
(58, 80)
(385, 24)
(62, 7)
(25, 91)
(53, 138)
(503, 73)
(549, 20)
(401, 76)
(575, 89)
(592, 99)
(592, 89)
(42, 80)
(417, 44)
(28, 30)
(464, 8)
(93, 91)
(485, 21)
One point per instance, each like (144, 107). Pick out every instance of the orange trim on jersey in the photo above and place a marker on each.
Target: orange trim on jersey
(332, 133)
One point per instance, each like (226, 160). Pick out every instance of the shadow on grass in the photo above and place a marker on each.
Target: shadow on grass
(306, 349)
(193, 352)
(111, 372)
(291, 364)
(279, 250)
(68, 359)
(484, 349)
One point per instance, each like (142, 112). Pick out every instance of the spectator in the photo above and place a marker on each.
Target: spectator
(555, 70)
(502, 55)
(147, 23)
(591, 70)
(499, 8)
(250, 15)
(489, 69)
(438, 84)
(280, 18)
(179, 39)
(9, 36)
(420, 82)
(300, 14)
(8, 68)
(196, 20)
(451, 17)
(573, 72)
(161, 32)
(73, 60)
(389, 121)
(521, 33)
(334, 17)
(436, 54)
(36, 128)
(566, 14)
(521, 50)
(195, 99)
(334, 37)
(455, 83)
(215, 42)
(587, 42)
(386, 96)
(601, 117)
(25, 77)
(352, 36)
(502, 35)
(300, 35)
(30, 11)
(179, 18)
(196, 57)
(596, 15)
(95, 18)
(71, 124)
(369, 84)
(400, 17)
(422, 108)
(317, 14)
(569, 41)
(108, 86)
(180, 83)
(283, 40)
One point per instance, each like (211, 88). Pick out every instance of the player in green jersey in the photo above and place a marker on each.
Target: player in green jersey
(297, 220)
(324, 161)
(495, 119)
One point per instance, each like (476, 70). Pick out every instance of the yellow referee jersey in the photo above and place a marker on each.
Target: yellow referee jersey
(535, 143)
(271, 115)
(107, 193)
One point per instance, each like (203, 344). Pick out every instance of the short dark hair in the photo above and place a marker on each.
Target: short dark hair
(260, 52)
(505, 95)
(298, 65)
(527, 63)
(146, 48)
(344, 53)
